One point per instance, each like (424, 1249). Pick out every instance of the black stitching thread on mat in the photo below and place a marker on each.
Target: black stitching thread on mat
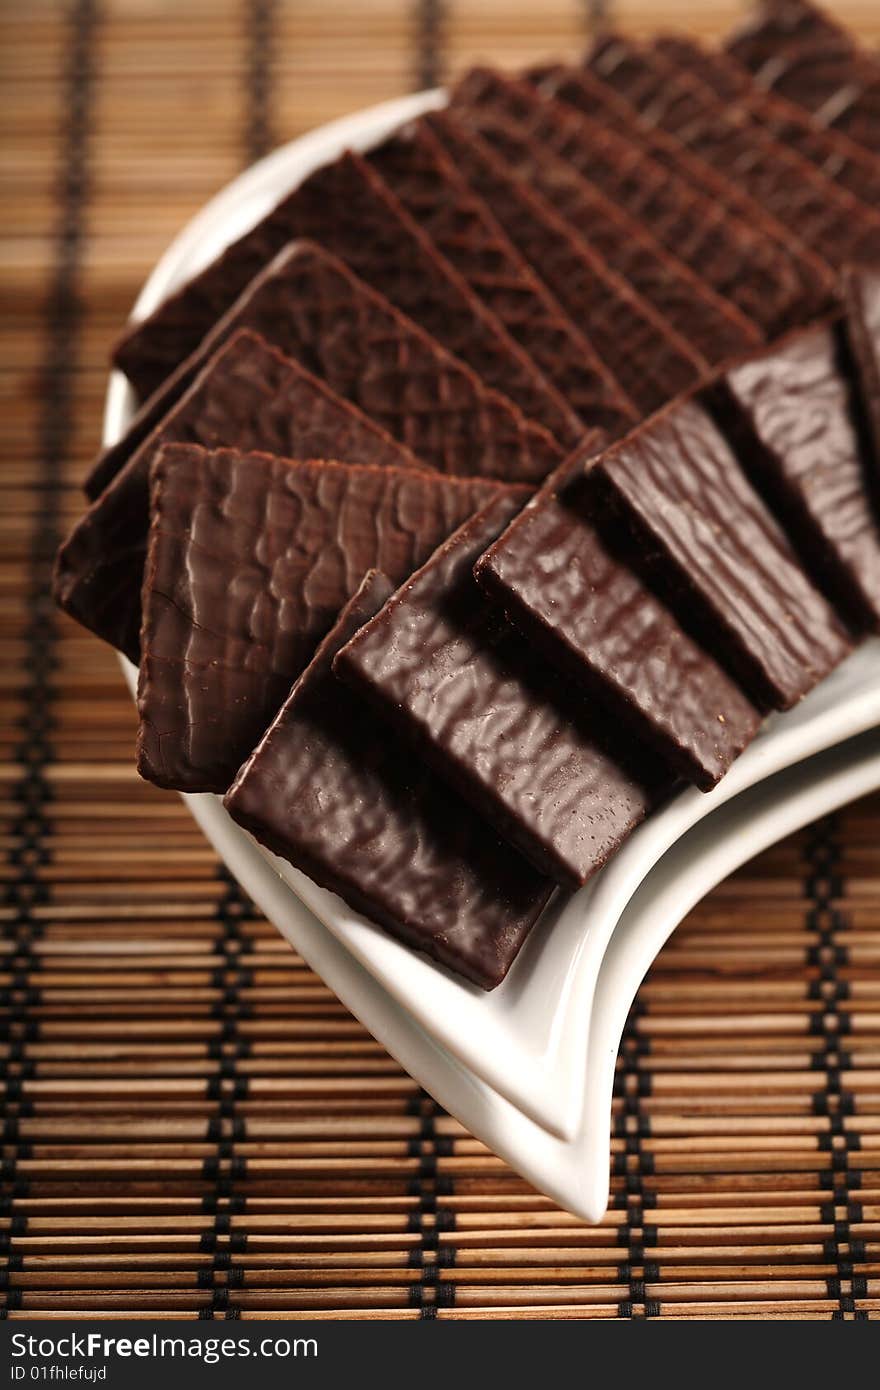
(429, 1219)
(430, 25)
(632, 1082)
(32, 829)
(225, 1168)
(260, 26)
(597, 15)
(824, 887)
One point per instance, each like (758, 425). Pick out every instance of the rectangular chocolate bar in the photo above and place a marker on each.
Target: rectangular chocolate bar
(416, 167)
(861, 326)
(527, 750)
(772, 27)
(800, 53)
(247, 396)
(648, 357)
(717, 79)
(820, 212)
(789, 412)
(308, 304)
(708, 544)
(568, 591)
(348, 209)
(330, 789)
(698, 216)
(712, 325)
(250, 558)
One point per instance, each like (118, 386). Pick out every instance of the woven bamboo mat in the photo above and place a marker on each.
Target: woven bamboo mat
(194, 1125)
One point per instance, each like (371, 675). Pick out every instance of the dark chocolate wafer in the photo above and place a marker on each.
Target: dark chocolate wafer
(331, 790)
(348, 208)
(773, 27)
(724, 236)
(716, 78)
(801, 53)
(822, 213)
(250, 558)
(647, 356)
(247, 396)
(528, 751)
(416, 167)
(790, 413)
(861, 297)
(701, 535)
(307, 303)
(570, 593)
(711, 324)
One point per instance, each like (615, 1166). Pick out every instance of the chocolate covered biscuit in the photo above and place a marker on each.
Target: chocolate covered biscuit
(712, 325)
(723, 235)
(820, 212)
(648, 357)
(248, 396)
(709, 545)
(348, 209)
(432, 188)
(571, 593)
(861, 295)
(250, 558)
(330, 789)
(536, 758)
(790, 413)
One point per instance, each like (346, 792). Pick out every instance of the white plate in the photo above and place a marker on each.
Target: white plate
(527, 1040)
(573, 1171)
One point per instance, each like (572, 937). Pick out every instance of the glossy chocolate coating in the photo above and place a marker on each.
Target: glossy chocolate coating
(719, 78)
(348, 209)
(820, 212)
(247, 396)
(308, 304)
(712, 326)
(567, 590)
(522, 745)
(648, 357)
(250, 559)
(790, 414)
(709, 544)
(431, 187)
(331, 789)
(705, 220)
(861, 295)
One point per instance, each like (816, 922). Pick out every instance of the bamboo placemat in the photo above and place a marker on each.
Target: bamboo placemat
(194, 1125)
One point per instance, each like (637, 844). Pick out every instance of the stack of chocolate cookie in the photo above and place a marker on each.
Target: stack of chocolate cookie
(504, 477)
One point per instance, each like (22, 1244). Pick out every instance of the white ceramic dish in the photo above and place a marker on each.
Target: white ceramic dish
(527, 1041)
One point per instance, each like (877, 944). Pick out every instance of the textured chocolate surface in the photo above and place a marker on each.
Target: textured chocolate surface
(648, 357)
(790, 413)
(307, 303)
(526, 749)
(248, 396)
(250, 559)
(819, 211)
(561, 583)
(331, 790)
(716, 78)
(861, 293)
(416, 167)
(709, 544)
(803, 54)
(705, 220)
(348, 209)
(772, 27)
(708, 322)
